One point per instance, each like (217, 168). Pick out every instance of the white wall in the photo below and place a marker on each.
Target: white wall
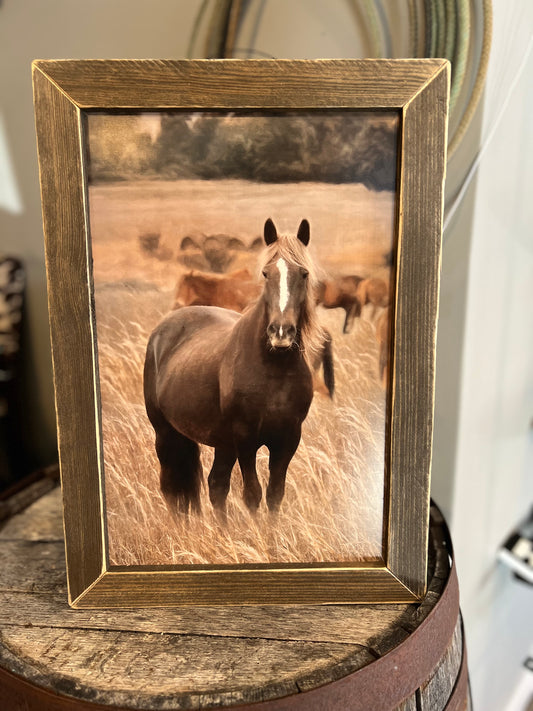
(493, 459)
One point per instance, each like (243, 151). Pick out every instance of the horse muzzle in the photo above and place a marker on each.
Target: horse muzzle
(281, 336)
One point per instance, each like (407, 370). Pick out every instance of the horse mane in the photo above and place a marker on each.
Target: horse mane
(313, 334)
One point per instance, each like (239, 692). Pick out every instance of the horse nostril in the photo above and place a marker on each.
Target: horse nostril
(279, 331)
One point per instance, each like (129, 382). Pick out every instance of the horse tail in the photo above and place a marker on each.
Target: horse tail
(179, 457)
(181, 470)
(327, 363)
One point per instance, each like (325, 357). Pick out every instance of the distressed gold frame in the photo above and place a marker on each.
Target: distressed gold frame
(64, 90)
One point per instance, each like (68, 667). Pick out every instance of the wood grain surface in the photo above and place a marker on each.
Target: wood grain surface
(71, 328)
(195, 658)
(229, 84)
(417, 289)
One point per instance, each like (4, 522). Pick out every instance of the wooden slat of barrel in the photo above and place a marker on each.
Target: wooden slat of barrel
(54, 658)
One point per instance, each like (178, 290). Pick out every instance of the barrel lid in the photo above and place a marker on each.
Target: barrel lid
(272, 657)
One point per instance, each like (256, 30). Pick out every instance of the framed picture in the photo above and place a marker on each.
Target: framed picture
(243, 267)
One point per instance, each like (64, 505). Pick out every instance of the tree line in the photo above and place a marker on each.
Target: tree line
(349, 147)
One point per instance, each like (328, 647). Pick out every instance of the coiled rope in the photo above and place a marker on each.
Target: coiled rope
(445, 29)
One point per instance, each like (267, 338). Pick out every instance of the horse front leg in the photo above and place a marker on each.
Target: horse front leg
(252, 488)
(281, 452)
(220, 477)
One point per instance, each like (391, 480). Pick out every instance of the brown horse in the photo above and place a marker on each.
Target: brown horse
(150, 243)
(351, 293)
(236, 291)
(214, 253)
(341, 293)
(236, 382)
(230, 291)
(374, 291)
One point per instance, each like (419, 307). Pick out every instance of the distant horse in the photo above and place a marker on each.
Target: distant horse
(219, 251)
(150, 243)
(341, 293)
(230, 291)
(213, 253)
(236, 382)
(351, 293)
(374, 291)
(191, 253)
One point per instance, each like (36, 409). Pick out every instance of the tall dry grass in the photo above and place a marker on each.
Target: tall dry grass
(332, 510)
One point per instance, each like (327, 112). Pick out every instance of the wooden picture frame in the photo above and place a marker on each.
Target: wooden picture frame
(66, 92)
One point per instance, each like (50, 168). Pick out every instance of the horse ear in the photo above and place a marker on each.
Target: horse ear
(303, 232)
(270, 233)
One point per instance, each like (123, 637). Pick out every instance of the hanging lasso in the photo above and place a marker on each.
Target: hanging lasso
(437, 28)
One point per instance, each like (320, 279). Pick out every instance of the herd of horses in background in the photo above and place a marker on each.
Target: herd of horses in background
(234, 364)
(221, 271)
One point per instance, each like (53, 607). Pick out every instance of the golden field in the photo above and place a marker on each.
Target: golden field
(332, 510)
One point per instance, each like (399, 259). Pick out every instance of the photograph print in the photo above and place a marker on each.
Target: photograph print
(243, 272)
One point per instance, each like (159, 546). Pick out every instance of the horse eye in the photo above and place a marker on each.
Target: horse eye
(305, 274)
(264, 273)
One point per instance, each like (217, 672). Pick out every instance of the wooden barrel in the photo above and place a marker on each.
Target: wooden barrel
(342, 657)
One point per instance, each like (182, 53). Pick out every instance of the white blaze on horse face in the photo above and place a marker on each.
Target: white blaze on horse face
(283, 284)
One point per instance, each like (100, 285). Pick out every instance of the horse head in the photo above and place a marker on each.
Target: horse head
(286, 290)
